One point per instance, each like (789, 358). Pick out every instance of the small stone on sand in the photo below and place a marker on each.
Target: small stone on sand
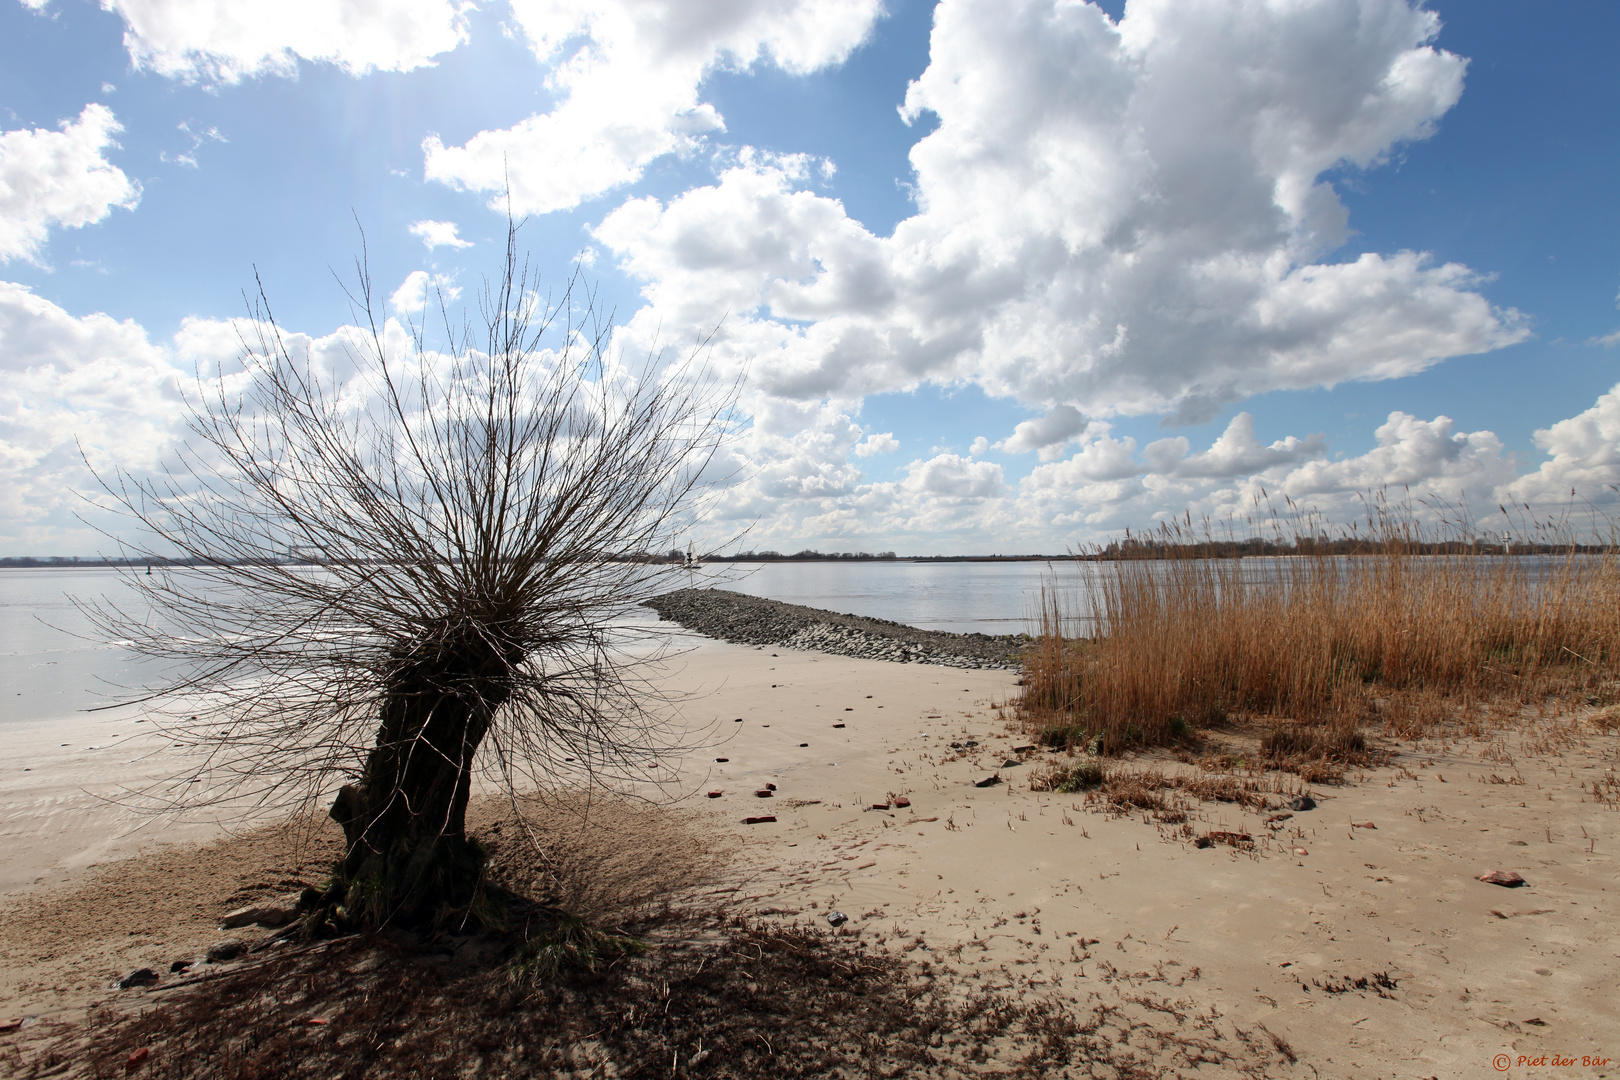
(1505, 878)
(229, 949)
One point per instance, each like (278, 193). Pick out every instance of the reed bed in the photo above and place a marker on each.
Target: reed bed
(1317, 644)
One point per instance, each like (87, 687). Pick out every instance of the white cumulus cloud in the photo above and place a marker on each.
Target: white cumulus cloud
(951, 476)
(224, 41)
(626, 75)
(59, 178)
(421, 289)
(876, 443)
(1583, 461)
(1048, 434)
(439, 234)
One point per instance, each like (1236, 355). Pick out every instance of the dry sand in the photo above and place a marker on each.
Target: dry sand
(1034, 892)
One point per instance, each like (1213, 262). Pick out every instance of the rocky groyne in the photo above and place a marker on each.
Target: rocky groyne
(752, 620)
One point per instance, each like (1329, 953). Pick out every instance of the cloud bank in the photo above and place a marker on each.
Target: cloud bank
(1109, 218)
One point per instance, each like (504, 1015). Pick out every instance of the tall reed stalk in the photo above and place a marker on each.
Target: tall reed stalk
(1153, 647)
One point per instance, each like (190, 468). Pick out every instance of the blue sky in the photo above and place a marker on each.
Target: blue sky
(1005, 276)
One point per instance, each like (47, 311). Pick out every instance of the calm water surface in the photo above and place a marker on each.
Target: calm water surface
(52, 663)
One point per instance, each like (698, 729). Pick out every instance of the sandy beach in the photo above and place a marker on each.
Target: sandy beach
(1376, 953)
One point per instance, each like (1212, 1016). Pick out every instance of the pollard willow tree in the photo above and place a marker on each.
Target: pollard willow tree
(409, 571)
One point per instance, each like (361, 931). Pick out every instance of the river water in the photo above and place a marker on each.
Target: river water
(53, 664)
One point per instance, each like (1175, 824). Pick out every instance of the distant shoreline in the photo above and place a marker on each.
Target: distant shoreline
(1143, 553)
(53, 562)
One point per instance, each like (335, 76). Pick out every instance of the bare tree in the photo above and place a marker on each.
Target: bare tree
(409, 570)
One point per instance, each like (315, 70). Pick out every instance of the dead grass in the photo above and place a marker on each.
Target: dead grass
(1117, 788)
(1321, 646)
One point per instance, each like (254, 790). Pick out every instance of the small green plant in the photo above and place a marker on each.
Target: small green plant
(1062, 736)
(563, 943)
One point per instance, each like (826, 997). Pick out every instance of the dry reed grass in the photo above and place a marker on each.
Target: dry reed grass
(1315, 645)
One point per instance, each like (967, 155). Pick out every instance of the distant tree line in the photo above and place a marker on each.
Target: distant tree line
(807, 555)
(1252, 547)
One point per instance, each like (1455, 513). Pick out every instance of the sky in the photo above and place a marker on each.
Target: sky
(999, 276)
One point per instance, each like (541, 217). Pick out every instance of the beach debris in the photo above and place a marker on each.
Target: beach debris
(1223, 836)
(838, 725)
(880, 806)
(138, 977)
(1301, 802)
(317, 1021)
(1505, 878)
(763, 793)
(1023, 749)
(803, 745)
(770, 787)
(970, 742)
(1362, 825)
(837, 918)
(1300, 851)
(956, 746)
(715, 794)
(260, 915)
(901, 801)
(1011, 763)
(721, 760)
(987, 781)
(180, 965)
(229, 949)
(739, 719)
(10, 1024)
(136, 1057)
(1278, 817)
(762, 819)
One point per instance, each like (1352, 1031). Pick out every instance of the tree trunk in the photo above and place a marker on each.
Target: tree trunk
(408, 860)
